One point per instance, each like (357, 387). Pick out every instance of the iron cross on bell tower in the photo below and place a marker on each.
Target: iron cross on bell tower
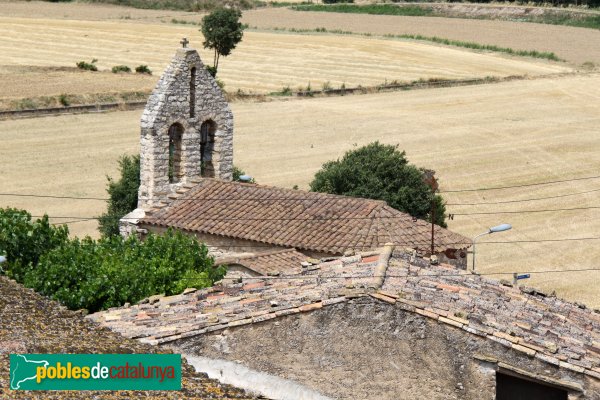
(184, 42)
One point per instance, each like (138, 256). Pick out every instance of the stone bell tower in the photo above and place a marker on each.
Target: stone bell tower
(186, 130)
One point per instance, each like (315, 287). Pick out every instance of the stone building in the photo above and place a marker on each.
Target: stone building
(383, 325)
(186, 130)
(186, 170)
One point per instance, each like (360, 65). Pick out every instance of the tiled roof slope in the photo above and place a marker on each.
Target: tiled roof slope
(292, 218)
(548, 328)
(285, 262)
(30, 323)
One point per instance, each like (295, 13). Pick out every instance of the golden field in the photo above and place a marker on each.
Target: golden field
(263, 62)
(576, 45)
(42, 42)
(490, 135)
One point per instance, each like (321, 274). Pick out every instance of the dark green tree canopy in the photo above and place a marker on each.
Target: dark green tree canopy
(123, 195)
(222, 31)
(381, 172)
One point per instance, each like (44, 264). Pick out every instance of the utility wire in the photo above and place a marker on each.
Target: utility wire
(346, 218)
(52, 197)
(529, 211)
(523, 200)
(519, 186)
(297, 199)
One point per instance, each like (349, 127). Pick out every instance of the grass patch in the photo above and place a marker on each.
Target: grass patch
(184, 22)
(285, 91)
(476, 46)
(120, 68)
(376, 9)
(591, 22)
(88, 66)
(64, 100)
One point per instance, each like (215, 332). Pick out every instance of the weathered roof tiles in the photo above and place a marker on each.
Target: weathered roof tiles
(293, 218)
(548, 328)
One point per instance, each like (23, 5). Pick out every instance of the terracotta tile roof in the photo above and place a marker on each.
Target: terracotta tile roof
(30, 323)
(550, 329)
(292, 218)
(284, 262)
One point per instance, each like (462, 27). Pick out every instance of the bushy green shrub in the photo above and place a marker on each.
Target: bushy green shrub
(211, 70)
(381, 172)
(24, 240)
(64, 100)
(112, 271)
(120, 68)
(123, 195)
(143, 69)
(88, 66)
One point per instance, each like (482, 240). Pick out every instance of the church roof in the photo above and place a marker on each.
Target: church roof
(293, 218)
(521, 319)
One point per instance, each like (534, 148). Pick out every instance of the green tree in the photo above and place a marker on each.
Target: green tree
(381, 172)
(123, 195)
(96, 275)
(222, 31)
(23, 240)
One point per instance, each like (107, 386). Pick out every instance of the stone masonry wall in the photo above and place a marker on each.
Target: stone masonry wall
(170, 104)
(365, 349)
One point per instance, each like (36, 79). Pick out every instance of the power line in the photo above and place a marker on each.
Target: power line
(529, 211)
(52, 197)
(303, 199)
(415, 242)
(519, 186)
(347, 218)
(523, 200)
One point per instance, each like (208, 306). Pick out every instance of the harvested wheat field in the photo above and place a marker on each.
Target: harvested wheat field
(481, 136)
(263, 62)
(35, 83)
(576, 45)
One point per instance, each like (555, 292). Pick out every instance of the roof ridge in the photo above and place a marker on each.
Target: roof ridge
(293, 191)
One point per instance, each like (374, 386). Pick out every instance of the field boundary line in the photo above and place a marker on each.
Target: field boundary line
(79, 109)
(303, 94)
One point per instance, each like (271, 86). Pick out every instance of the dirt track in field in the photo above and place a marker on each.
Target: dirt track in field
(491, 135)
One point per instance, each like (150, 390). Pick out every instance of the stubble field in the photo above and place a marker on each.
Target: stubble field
(576, 45)
(262, 63)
